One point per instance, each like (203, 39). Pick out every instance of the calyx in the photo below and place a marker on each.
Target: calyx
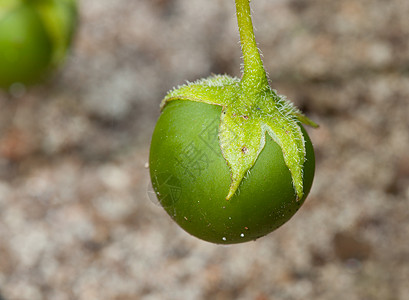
(244, 123)
(250, 110)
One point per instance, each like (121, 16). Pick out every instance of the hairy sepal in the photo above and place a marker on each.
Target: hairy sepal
(216, 90)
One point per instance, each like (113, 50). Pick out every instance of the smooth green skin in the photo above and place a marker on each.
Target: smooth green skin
(27, 50)
(266, 198)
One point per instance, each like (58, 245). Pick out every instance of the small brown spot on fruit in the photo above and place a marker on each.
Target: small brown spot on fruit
(244, 150)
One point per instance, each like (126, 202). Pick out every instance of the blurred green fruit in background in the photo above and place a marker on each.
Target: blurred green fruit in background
(34, 38)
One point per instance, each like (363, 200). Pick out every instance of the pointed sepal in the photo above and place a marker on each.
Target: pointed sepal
(216, 90)
(240, 138)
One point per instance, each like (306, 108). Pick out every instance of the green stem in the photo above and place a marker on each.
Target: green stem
(254, 76)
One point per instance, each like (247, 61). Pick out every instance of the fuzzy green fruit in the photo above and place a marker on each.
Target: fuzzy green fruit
(191, 178)
(34, 38)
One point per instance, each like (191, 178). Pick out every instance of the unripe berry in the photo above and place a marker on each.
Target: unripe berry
(34, 38)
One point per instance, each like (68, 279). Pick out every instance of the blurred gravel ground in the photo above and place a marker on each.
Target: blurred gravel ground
(75, 218)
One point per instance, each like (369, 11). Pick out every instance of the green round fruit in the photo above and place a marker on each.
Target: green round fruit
(191, 178)
(34, 38)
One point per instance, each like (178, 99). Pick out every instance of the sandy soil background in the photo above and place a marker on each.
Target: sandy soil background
(75, 218)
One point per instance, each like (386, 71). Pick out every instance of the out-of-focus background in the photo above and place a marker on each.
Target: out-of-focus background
(75, 218)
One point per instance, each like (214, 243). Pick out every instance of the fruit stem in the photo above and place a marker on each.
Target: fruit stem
(254, 78)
